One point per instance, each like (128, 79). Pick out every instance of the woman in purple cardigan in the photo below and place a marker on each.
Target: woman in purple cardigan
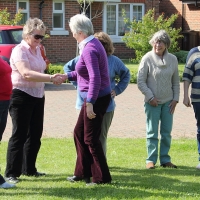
(91, 73)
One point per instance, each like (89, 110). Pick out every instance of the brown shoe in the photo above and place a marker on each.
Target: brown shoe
(169, 164)
(150, 165)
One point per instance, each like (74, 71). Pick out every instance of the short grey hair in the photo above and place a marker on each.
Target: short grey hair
(161, 35)
(31, 25)
(81, 23)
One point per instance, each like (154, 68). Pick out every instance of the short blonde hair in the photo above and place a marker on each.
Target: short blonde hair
(105, 40)
(31, 25)
(161, 35)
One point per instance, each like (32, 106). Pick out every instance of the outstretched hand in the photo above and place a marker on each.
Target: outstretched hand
(59, 78)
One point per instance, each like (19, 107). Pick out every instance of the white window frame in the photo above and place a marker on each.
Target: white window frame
(27, 10)
(116, 38)
(59, 31)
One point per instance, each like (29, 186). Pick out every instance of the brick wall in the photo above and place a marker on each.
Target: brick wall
(188, 20)
(60, 48)
(63, 48)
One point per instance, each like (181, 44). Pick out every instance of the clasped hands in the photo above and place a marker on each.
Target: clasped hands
(59, 78)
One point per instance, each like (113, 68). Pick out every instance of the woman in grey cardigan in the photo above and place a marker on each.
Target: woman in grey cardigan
(158, 80)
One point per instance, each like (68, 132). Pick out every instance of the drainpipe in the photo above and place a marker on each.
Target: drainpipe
(40, 7)
(182, 17)
(196, 4)
(182, 23)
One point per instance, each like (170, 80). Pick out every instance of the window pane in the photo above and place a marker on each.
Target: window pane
(58, 20)
(86, 9)
(111, 20)
(58, 6)
(24, 18)
(22, 5)
(1, 41)
(122, 27)
(137, 13)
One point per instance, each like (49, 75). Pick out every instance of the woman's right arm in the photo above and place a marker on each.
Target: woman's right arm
(142, 80)
(186, 99)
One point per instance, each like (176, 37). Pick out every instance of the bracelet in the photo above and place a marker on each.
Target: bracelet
(151, 99)
(51, 78)
(88, 103)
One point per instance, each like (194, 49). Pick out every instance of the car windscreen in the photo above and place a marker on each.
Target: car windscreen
(11, 36)
(16, 35)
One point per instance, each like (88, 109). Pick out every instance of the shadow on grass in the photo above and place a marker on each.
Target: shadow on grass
(162, 183)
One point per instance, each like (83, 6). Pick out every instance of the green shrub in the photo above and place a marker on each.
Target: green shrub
(55, 68)
(133, 78)
(142, 31)
(181, 56)
(58, 67)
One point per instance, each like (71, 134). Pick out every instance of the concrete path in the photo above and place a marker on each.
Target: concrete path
(129, 119)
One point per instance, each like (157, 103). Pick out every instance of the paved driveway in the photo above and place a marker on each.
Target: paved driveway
(129, 119)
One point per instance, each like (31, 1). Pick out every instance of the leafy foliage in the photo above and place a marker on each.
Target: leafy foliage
(181, 56)
(55, 68)
(5, 18)
(142, 31)
(58, 68)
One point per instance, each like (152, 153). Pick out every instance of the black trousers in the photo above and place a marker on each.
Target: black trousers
(3, 120)
(27, 113)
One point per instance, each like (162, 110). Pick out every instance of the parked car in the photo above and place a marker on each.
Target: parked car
(10, 36)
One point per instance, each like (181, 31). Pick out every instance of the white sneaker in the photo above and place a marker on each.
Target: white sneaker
(7, 185)
(198, 166)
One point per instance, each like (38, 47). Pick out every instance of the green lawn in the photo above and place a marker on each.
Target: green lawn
(127, 62)
(126, 159)
(132, 66)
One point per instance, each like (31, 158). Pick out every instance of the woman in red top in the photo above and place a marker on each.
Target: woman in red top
(5, 93)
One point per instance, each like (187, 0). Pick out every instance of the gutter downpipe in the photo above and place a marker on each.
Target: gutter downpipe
(182, 24)
(40, 7)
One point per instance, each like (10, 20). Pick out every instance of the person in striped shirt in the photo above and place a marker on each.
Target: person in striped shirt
(191, 76)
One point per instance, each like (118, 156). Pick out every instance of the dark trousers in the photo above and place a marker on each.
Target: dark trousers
(3, 116)
(91, 160)
(196, 107)
(27, 115)
(3, 120)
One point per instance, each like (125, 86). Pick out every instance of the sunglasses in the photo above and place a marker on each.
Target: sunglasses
(37, 37)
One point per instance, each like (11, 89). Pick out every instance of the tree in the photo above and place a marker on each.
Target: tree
(85, 5)
(6, 19)
(141, 32)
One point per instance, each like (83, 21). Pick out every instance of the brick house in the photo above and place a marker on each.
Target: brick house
(189, 19)
(106, 16)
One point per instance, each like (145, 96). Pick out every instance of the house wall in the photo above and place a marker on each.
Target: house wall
(61, 48)
(188, 21)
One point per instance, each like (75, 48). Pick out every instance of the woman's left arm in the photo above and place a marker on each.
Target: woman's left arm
(172, 106)
(175, 88)
(176, 82)
(124, 76)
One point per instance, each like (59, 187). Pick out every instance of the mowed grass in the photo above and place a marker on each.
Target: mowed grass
(126, 159)
(131, 66)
